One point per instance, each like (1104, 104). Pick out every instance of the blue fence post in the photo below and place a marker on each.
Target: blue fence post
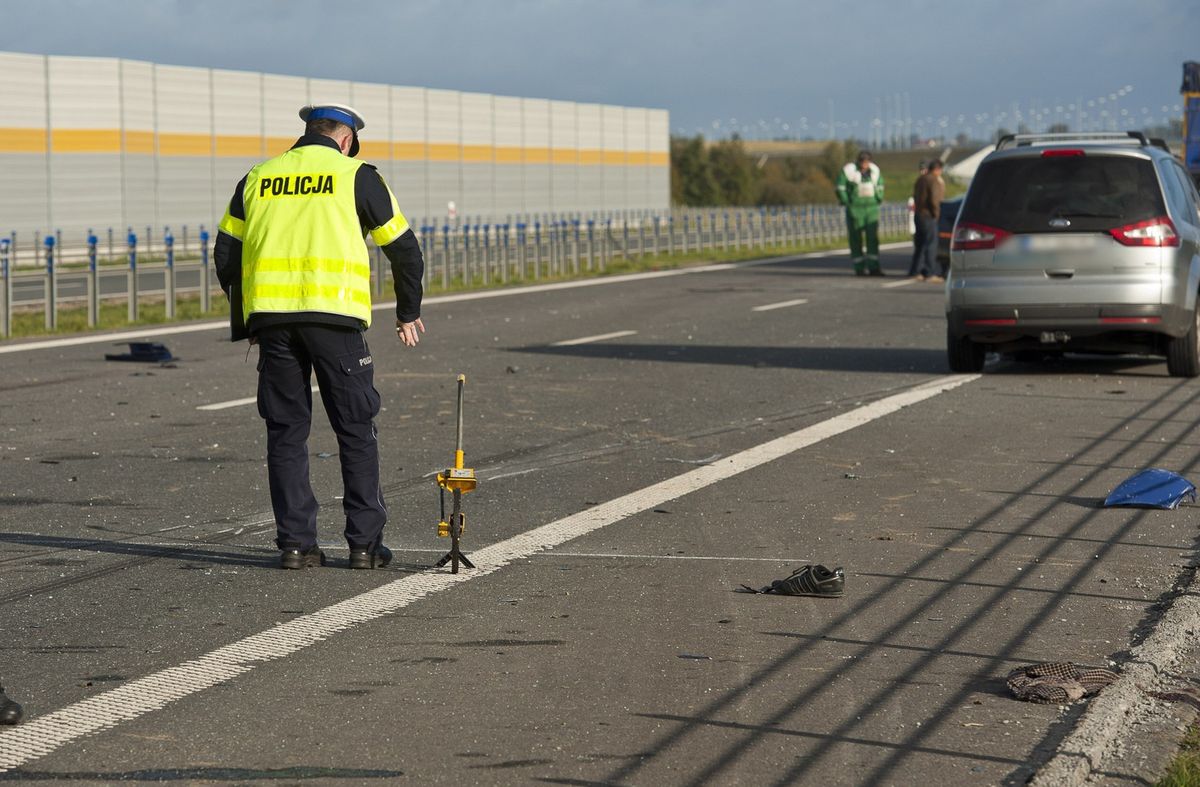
(131, 281)
(50, 286)
(93, 280)
(205, 289)
(6, 297)
(169, 273)
(537, 249)
(445, 256)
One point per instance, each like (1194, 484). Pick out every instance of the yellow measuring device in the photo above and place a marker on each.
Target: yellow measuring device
(457, 480)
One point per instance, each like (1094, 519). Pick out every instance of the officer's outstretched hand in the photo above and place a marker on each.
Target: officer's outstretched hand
(409, 332)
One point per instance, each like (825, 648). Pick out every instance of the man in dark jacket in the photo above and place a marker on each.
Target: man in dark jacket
(928, 192)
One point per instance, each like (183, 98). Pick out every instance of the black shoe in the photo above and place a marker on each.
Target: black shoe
(10, 712)
(301, 558)
(363, 558)
(808, 581)
(877, 272)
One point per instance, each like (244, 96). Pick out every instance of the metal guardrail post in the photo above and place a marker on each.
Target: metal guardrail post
(6, 293)
(93, 282)
(537, 250)
(487, 253)
(50, 287)
(131, 283)
(169, 273)
(445, 256)
(205, 279)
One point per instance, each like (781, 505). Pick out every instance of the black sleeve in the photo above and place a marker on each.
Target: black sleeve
(377, 210)
(227, 259)
(373, 198)
(408, 267)
(227, 252)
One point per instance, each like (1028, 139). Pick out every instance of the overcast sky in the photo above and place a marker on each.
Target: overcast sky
(707, 61)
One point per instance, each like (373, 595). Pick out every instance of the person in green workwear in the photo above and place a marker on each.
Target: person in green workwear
(860, 190)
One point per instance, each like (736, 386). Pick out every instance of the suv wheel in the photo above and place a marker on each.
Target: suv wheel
(1183, 353)
(963, 354)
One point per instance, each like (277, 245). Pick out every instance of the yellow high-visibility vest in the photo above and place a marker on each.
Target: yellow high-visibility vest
(303, 248)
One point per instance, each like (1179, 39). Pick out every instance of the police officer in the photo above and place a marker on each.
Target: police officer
(292, 258)
(860, 190)
(10, 712)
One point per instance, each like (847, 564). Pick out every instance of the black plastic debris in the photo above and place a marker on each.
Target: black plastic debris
(143, 352)
(1152, 488)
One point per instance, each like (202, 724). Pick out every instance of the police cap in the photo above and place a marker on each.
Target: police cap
(341, 113)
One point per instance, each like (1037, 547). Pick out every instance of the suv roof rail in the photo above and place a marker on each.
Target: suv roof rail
(1025, 140)
(1159, 142)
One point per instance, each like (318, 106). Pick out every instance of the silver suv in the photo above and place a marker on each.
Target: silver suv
(1080, 242)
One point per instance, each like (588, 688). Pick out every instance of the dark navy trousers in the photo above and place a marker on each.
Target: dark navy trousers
(345, 371)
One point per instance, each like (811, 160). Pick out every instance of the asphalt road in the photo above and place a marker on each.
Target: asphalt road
(609, 647)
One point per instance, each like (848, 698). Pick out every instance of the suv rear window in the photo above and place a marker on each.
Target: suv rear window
(1094, 192)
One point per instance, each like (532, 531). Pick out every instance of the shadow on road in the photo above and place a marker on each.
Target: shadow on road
(817, 736)
(834, 359)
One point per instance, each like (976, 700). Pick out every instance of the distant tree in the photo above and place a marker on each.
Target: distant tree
(736, 175)
(1058, 128)
(692, 181)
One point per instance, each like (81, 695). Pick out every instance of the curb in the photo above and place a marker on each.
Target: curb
(1125, 703)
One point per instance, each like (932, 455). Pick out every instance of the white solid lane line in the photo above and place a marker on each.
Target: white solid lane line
(901, 283)
(42, 735)
(239, 402)
(766, 307)
(598, 338)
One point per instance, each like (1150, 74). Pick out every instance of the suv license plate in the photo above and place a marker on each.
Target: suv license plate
(1058, 242)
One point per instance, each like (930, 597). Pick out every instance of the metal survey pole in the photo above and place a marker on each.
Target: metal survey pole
(93, 282)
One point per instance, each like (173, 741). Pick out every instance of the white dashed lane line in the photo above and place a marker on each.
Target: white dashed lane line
(45, 734)
(766, 307)
(597, 338)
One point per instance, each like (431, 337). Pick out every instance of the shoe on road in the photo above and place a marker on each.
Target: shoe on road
(877, 272)
(10, 712)
(301, 558)
(364, 558)
(808, 581)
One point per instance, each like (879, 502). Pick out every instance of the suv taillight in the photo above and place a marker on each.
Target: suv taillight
(1159, 231)
(969, 236)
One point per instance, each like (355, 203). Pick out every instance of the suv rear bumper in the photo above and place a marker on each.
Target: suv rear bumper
(1005, 324)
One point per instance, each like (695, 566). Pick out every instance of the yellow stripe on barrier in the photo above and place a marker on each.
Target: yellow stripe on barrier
(409, 151)
(22, 140)
(33, 140)
(139, 142)
(443, 152)
(172, 144)
(239, 145)
(91, 140)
